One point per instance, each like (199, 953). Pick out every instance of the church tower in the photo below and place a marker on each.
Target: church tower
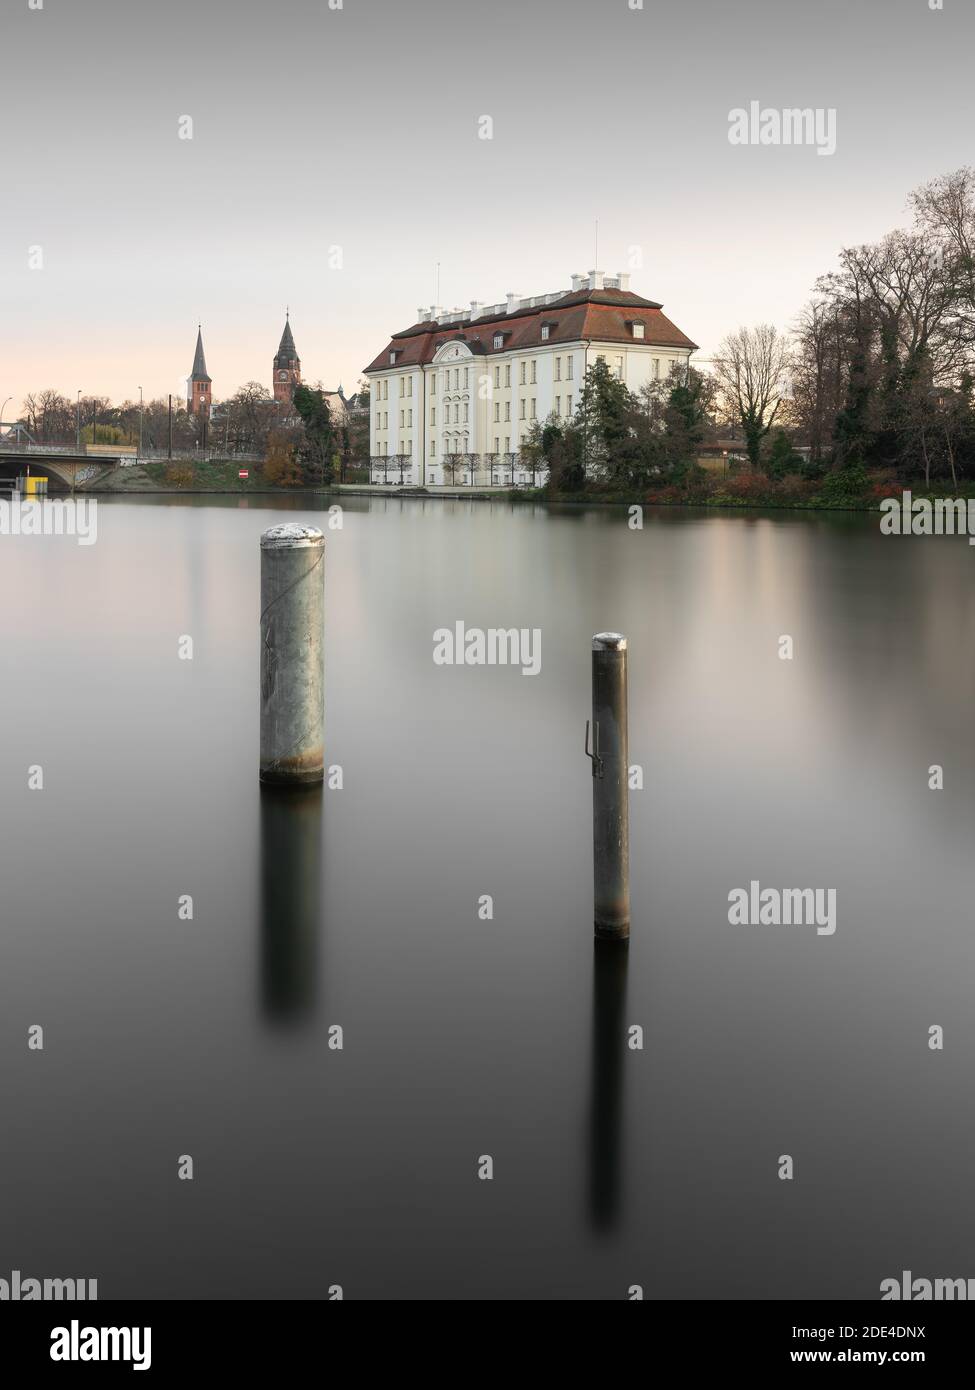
(200, 396)
(287, 366)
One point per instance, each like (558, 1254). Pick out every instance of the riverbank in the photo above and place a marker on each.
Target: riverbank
(852, 490)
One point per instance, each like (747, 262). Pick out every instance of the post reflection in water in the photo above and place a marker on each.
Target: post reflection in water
(291, 879)
(609, 966)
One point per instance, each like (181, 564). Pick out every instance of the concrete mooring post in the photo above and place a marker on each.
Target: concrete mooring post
(292, 655)
(610, 776)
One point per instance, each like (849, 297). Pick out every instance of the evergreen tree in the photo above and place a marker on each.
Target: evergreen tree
(606, 416)
(318, 446)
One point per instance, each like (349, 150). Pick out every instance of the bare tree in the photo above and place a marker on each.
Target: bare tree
(250, 414)
(945, 212)
(451, 463)
(818, 372)
(751, 367)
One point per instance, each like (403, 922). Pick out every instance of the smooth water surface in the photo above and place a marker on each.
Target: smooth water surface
(466, 1037)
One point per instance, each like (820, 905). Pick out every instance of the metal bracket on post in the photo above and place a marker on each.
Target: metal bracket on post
(593, 754)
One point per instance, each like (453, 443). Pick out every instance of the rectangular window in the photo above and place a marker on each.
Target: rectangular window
(507, 374)
(497, 411)
(409, 386)
(638, 330)
(558, 405)
(534, 415)
(507, 444)
(497, 376)
(385, 419)
(558, 369)
(619, 368)
(401, 419)
(456, 378)
(433, 383)
(522, 412)
(656, 369)
(568, 405)
(466, 370)
(534, 371)
(433, 415)
(497, 441)
(507, 410)
(433, 448)
(521, 366)
(466, 417)
(498, 340)
(568, 365)
(544, 332)
(409, 418)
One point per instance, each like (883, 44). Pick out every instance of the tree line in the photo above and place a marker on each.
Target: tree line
(876, 375)
(879, 371)
(300, 445)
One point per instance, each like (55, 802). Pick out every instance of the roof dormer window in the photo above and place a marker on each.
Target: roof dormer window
(393, 356)
(498, 340)
(545, 332)
(638, 330)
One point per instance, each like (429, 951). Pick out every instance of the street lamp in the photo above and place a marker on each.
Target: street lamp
(140, 422)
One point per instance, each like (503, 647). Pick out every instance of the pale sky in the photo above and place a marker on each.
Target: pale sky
(358, 128)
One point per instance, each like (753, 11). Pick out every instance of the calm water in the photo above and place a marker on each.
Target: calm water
(465, 1037)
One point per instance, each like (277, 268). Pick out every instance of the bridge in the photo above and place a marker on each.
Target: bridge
(68, 466)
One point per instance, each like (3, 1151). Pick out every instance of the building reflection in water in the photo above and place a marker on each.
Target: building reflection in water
(610, 959)
(291, 891)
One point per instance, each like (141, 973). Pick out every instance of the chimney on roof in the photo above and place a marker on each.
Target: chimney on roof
(624, 278)
(513, 301)
(437, 312)
(477, 308)
(421, 314)
(596, 279)
(577, 283)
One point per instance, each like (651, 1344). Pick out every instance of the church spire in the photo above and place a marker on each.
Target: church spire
(287, 350)
(198, 400)
(199, 372)
(287, 365)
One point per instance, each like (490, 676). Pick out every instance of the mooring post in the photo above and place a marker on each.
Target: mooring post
(292, 655)
(610, 778)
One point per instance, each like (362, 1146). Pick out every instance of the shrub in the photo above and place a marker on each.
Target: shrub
(792, 488)
(179, 475)
(748, 487)
(281, 468)
(845, 484)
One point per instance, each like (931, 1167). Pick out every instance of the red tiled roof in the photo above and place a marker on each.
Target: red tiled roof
(601, 315)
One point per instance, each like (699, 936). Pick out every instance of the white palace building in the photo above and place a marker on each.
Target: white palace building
(463, 387)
